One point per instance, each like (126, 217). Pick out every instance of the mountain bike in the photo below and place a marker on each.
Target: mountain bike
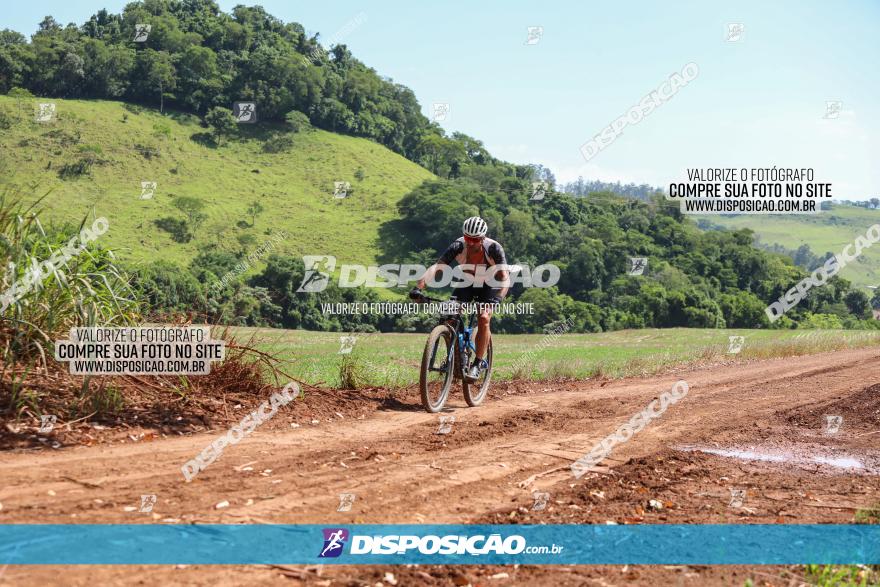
(449, 351)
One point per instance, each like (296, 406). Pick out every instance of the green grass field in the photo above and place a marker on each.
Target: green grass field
(829, 230)
(392, 360)
(295, 188)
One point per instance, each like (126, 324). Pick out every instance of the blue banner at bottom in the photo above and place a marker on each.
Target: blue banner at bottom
(674, 544)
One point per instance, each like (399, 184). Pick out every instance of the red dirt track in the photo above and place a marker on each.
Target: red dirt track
(385, 450)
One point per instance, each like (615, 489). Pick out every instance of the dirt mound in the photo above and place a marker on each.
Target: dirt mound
(859, 410)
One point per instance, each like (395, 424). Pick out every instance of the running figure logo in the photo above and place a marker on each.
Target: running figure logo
(832, 424)
(539, 190)
(735, 344)
(315, 279)
(334, 541)
(142, 32)
(148, 188)
(638, 265)
(47, 423)
(245, 112)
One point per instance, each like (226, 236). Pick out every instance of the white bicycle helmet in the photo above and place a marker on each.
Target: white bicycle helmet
(475, 226)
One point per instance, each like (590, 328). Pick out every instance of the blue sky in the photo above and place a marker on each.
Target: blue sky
(759, 101)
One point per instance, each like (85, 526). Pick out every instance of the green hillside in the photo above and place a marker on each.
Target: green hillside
(830, 230)
(130, 145)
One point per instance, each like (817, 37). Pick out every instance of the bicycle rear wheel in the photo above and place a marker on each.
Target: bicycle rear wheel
(475, 392)
(438, 363)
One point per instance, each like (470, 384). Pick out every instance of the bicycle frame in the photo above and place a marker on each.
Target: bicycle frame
(462, 335)
(459, 348)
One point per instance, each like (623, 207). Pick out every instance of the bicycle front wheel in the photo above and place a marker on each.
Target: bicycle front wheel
(438, 363)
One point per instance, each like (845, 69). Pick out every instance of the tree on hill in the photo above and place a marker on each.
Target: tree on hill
(222, 123)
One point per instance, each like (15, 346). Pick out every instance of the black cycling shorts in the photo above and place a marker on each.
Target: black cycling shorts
(471, 293)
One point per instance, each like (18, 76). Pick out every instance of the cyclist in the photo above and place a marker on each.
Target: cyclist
(475, 254)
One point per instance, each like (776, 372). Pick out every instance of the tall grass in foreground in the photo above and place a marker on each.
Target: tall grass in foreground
(842, 575)
(86, 290)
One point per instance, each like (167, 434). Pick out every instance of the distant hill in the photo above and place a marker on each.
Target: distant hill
(827, 231)
(124, 145)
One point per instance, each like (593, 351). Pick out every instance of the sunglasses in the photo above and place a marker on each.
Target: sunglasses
(473, 239)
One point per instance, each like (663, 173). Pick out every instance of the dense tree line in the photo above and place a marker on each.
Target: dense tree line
(582, 187)
(693, 278)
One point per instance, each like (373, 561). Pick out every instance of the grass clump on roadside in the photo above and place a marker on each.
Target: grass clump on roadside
(869, 515)
(57, 278)
(842, 575)
(54, 278)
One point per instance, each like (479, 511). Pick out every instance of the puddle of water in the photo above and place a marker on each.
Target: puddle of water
(842, 462)
(845, 462)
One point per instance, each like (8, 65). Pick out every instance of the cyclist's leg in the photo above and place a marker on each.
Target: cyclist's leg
(484, 319)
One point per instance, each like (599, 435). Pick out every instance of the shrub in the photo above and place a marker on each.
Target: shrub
(79, 168)
(161, 130)
(192, 207)
(297, 121)
(147, 151)
(278, 143)
(176, 227)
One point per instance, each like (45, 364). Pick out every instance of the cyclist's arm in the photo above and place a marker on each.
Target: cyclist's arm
(445, 260)
(429, 274)
(503, 275)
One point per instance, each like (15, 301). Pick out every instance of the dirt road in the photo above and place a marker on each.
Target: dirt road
(749, 443)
